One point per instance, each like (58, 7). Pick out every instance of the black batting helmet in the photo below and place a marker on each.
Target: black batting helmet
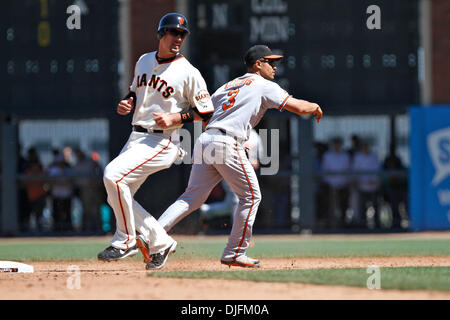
(172, 20)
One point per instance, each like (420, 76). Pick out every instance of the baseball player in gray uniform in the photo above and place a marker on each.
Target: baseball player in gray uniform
(254, 148)
(219, 154)
(164, 82)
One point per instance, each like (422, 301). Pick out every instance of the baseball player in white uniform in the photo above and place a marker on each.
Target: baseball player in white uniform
(219, 154)
(164, 82)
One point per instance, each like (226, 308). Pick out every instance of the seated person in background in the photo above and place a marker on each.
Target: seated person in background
(336, 185)
(366, 184)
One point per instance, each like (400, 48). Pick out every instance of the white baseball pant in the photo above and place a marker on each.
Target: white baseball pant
(142, 155)
(217, 156)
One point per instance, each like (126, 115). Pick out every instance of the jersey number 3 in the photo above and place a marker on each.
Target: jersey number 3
(232, 94)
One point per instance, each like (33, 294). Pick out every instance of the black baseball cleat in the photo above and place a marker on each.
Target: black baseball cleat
(159, 259)
(111, 253)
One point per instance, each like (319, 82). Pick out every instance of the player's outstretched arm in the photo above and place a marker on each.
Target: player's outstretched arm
(303, 107)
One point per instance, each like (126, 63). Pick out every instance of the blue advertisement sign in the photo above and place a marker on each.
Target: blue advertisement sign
(429, 188)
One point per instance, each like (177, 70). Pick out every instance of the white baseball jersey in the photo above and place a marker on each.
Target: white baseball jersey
(241, 103)
(168, 87)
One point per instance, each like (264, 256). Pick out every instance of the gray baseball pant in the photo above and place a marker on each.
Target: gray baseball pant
(218, 156)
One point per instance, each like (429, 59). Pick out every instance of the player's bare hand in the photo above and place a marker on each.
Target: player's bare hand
(125, 106)
(166, 120)
(318, 113)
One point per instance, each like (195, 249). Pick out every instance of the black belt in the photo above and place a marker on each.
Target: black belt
(142, 129)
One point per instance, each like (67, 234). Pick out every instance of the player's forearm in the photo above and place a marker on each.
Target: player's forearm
(300, 107)
(167, 120)
(303, 107)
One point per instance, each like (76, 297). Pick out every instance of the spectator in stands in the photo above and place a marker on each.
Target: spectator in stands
(367, 183)
(356, 145)
(55, 154)
(61, 191)
(35, 187)
(321, 206)
(336, 186)
(88, 180)
(67, 153)
(23, 204)
(395, 187)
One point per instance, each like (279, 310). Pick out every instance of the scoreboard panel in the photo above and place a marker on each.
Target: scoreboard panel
(57, 60)
(333, 55)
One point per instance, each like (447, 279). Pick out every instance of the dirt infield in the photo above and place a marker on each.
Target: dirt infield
(128, 280)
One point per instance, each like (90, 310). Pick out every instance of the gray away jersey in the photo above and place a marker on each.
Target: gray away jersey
(240, 104)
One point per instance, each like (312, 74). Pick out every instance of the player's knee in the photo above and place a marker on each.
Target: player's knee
(257, 196)
(107, 181)
(110, 201)
(251, 199)
(192, 203)
(109, 176)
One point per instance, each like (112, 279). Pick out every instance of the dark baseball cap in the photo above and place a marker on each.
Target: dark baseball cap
(258, 52)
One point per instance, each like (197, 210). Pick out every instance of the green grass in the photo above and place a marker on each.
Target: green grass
(406, 278)
(289, 248)
(36, 249)
(402, 278)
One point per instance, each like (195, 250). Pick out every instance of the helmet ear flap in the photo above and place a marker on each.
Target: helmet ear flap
(161, 33)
